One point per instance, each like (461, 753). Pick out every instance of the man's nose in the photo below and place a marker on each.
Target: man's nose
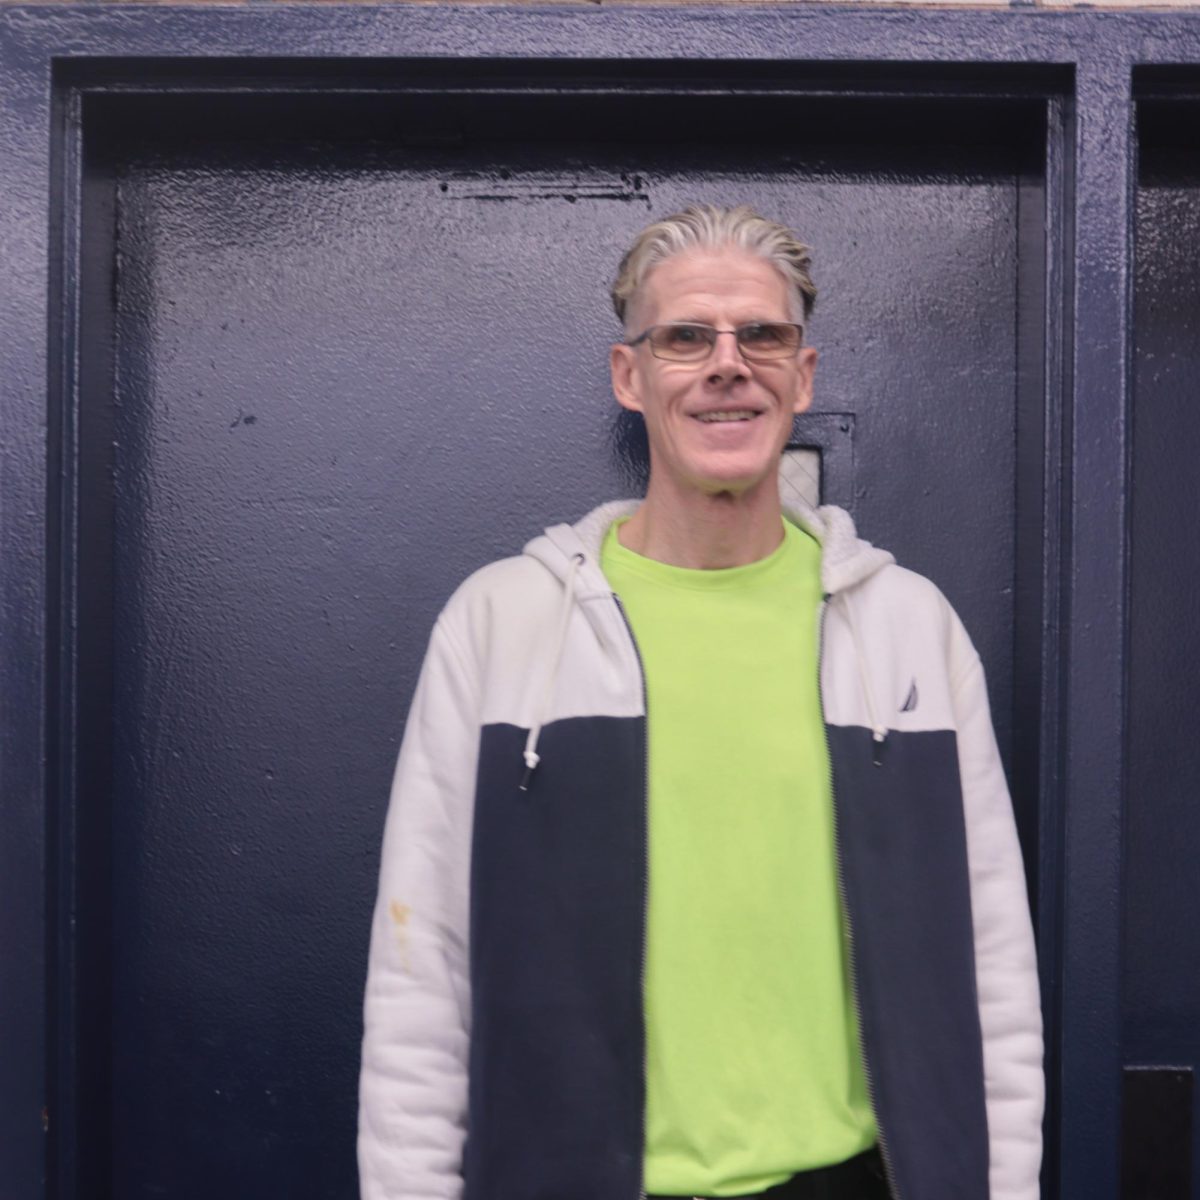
(725, 359)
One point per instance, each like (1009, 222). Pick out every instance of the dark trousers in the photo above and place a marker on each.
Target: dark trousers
(859, 1178)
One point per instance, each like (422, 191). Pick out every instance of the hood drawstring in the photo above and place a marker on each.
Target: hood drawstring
(531, 756)
(846, 560)
(879, 733)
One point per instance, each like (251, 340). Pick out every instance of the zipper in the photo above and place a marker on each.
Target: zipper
(645, 876)
(841, 879)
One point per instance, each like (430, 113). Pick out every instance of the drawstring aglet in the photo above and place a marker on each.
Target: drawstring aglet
(532, 758)
(878, 741)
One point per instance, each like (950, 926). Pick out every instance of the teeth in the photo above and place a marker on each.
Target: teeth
(735, 414)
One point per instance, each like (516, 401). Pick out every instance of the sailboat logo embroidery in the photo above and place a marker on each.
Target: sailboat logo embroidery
(910, 701)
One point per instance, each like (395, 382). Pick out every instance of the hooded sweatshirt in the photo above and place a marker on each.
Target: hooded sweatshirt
(504, 1047)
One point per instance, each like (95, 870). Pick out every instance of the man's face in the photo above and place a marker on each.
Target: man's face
(690, 450)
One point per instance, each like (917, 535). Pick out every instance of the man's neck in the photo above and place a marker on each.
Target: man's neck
(706, 532)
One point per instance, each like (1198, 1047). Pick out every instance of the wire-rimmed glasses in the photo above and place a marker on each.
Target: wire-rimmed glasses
(692, 341)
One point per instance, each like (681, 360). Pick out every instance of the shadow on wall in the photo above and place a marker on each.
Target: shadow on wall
(631, 450)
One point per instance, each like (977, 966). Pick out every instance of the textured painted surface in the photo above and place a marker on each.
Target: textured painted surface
(1094, 608)
(24, 809)
(807, 33)
(1162, 902)
(341, 387)
(1080, 5)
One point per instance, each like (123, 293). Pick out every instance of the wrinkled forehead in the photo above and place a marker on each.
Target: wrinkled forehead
(726, 283)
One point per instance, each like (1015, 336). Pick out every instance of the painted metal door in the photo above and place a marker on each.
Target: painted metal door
(345, 371)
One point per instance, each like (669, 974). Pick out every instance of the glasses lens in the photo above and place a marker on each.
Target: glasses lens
(682, 342)
(769, 339)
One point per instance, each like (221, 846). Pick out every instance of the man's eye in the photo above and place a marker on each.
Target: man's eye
(759, 334)
(685, 335)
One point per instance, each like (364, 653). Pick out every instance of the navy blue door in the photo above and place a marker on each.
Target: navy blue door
(344, 370)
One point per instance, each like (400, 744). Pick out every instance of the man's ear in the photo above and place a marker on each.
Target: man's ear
(622, 365)
(804, 382)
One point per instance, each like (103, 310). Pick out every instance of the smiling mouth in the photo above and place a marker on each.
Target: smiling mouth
(727, 414)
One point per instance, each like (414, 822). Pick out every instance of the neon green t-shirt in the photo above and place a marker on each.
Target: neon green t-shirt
(753, 1066)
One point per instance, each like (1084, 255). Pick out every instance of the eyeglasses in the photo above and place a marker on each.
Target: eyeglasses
(690, 341)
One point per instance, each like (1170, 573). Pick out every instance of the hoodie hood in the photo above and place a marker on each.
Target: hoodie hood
(572, 554)
(846, 559)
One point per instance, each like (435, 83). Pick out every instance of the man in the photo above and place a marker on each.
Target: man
(700, 876)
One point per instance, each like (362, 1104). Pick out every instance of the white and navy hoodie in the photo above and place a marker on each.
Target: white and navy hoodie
(503, 1056)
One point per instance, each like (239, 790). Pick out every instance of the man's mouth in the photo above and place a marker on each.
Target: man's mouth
(727, 414)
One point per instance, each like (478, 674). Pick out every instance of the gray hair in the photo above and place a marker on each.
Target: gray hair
(713, 227)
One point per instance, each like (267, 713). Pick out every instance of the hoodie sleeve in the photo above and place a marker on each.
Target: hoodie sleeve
(1005, 958)
(413, 1084)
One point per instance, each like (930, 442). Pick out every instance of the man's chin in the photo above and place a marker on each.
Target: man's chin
(734, 485)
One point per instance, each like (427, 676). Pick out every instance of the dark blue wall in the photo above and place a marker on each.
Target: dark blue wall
(226, 454)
